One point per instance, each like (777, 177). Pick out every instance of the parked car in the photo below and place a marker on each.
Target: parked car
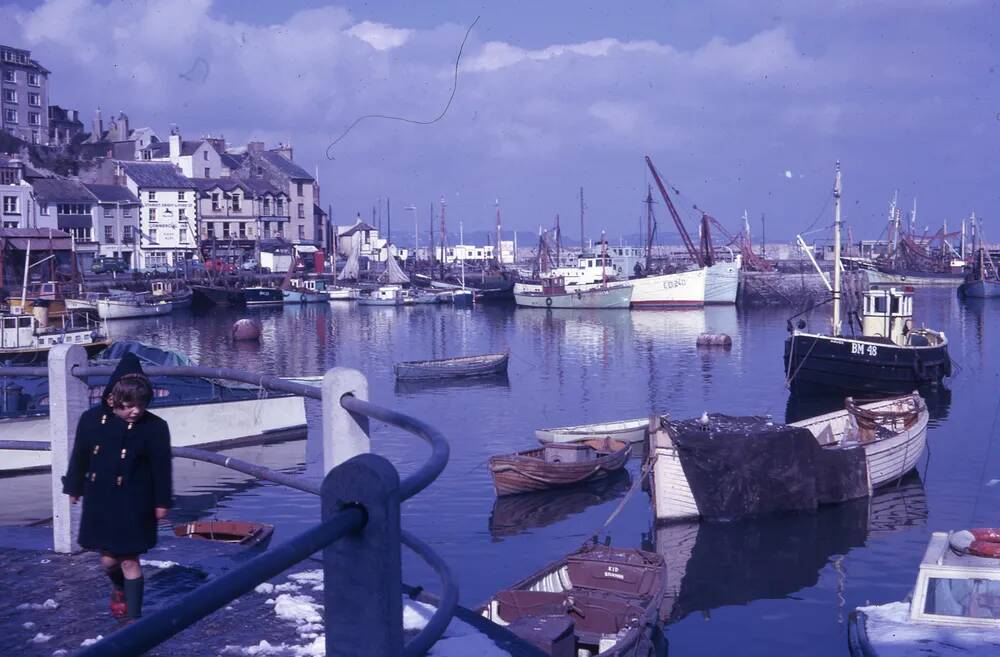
(107, 265)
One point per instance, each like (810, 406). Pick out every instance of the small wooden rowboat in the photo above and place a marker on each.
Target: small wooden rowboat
(557, 464)
(599, 600)
(452, 367)
(242, 532)
(631, 431)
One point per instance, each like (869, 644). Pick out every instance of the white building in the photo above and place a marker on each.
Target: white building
(168, 218)
(194, 159)
(17, 204)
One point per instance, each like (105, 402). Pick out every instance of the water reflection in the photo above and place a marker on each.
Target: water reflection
(513, 514)
(802, 406)
(715, 564)
(470, 383)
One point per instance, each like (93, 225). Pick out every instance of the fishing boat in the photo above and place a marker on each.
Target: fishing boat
(722, 281)
(554, 294)
(629, 431)
(200, 411)
(600, 600)
(173, 291)
(301, 295)
(341, 293)
(726, 466)
(415, 297)
(27, 338)
(889, 356)
(138, 305)
(684, 289)
(263, 296)
(484, 365)
(954, 608)
(240, 532)
(217, 295)
(983, 282)
(556, 465)
(386, 295)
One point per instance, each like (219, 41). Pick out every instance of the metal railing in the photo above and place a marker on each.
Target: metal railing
(359, 532)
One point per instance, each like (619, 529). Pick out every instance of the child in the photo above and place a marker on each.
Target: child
(121, 467)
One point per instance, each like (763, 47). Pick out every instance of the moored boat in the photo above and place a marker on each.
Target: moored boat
(616, 296)
(217, 295)
(242, 532)
(630, 431)
(840, 456)
(302, 295)
(263, 296)
(27, 338)
(134, 306)
(387, 295)
(600, 600)
(722, 281)
(680, 290)
(341, 293)
(954, 608)
(440, 368)
(556, 465)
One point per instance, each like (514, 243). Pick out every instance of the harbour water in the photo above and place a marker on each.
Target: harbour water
(780, 585)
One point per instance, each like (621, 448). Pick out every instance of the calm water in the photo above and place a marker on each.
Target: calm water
(767, 587)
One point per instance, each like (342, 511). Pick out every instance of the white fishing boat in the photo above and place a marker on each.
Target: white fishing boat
(341, 293)
(684, 289)
(387, 295)
(605, 297)
(29, 337)
(954, 608)
(722, 281)
(892, 432)
(631, 431)
(139, 305)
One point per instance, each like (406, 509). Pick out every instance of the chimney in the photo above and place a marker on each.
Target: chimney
(175, 147)
(255, 147)
(98, 129)
(284, 151)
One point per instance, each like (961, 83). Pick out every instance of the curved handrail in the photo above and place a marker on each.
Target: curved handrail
(441, 618)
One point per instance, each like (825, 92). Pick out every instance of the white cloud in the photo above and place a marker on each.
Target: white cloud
(379, 36)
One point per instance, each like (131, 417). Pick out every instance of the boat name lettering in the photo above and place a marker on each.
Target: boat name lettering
(614, 573)
(668, 285)
(862, 349)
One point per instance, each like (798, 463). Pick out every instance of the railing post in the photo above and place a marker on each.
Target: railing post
(68, 399)
(345, 434)
(362, 572)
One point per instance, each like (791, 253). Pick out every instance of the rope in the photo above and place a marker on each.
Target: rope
(791, 353)
(646, 467)
(986, 459)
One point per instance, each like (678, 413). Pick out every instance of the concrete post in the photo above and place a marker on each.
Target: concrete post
(345, 434)
(362, 572)
(68, 399)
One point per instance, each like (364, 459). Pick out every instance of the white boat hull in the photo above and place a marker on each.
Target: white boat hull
(190, 425)
(887, 459)
(876, 277)
(617, 297)
(112, 309)
(80, 304)
(722, 281)
(632, 431)
(342, 294)
(681, 290)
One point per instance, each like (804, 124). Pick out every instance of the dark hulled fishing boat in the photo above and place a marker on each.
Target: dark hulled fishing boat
(889, 356)
(217, 295)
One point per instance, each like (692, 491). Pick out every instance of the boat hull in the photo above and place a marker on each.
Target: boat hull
(342, 294)
(452, 367)
(231, 422)
(112, 309)
(214, 295)
(922, 279)
(722, 282)
(630, 431)
(972, 290)
(304, 296)
(603, 298)
(529, 471)
(843, 364)
(263, 296)
(681, 290)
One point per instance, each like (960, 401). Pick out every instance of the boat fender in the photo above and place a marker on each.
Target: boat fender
(979, 542)
(548, 301)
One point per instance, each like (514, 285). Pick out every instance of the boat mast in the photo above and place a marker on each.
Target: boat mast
(583, 235)
(461, 241)
(433, 254)
(444, 239)
(499, 263)
(836, 254)
(604, 259)
(650, 227)
(558, 243)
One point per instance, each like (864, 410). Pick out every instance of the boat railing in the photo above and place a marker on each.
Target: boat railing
(359, 532)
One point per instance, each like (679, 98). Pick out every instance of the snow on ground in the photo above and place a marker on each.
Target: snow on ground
(41, 638)
(892, 634)
(90, 642)
(157, 564)
(302, 610)
(48, 604)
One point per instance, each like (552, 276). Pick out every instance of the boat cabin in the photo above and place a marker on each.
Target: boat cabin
(31, 332)
(388, 293)
(590, 269)
(888, 313)
(956, 588)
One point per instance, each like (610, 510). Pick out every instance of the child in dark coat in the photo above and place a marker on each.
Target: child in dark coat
(121, 467)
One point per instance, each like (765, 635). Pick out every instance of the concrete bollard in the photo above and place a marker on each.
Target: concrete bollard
(362, 572)
(715, 340)
(345, 434)
(68, 399)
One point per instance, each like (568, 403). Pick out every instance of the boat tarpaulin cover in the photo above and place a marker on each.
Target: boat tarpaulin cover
(739, 466)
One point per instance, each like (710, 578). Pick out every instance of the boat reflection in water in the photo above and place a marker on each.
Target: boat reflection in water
(716, 564)
(513, 514)
(804, 406)
(417, 386)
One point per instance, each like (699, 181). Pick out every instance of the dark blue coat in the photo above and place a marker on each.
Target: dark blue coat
(122, 472)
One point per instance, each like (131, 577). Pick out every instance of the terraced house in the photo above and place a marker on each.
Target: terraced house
(24, 96)
(168, 217)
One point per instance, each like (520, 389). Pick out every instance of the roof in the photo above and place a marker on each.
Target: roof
(189, 147)
(112, 194)
(156, 175)
(232, 160)
(158, 149)
(285, 166)
(18, 238)
(355, 228)
(205, 185)
(61, 190)
(318, 210)
(261, 187)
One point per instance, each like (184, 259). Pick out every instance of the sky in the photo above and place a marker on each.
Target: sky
(741, 105)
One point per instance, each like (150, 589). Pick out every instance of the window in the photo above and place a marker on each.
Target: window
(243, 231)
(267, 207)
(152, 235)
(181, 214)
(34, 118)
(236, 203)
(80, 234)
(302, 210)
(43, 208)
(183, 235)
(33, 79)
(126, 212)
(73, 208)
(267, 229)
(302, 232)
(10, 205)
(210, 230)
(127, 236)
(10, 76)
(151, 195)
(35, 99)
(10, 95)
(279, 206)
(11, 224)
(208, 172)
(215, 201)
(204, 156)
(298, 188)
(10, 115)
(34, 136)
(109, 211)
(181, 195)
(225, 230)
(109, 234)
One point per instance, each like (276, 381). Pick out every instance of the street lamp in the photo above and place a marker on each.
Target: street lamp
(412, 208)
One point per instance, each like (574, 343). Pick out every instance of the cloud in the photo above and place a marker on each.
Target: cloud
(379, 36)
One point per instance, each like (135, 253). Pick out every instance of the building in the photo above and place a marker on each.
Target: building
(228, 219)
(195, 159)
(24, 96)
(64, 125)
(116, 221)
(277, 168)
(168, 217)
(72, 206)
(17, 200)
(273, 207)
(360, 236)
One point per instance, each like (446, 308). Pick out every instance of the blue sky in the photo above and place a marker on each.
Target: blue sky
(742, 105)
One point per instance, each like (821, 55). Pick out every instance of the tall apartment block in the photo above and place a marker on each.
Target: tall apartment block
(24, 96)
